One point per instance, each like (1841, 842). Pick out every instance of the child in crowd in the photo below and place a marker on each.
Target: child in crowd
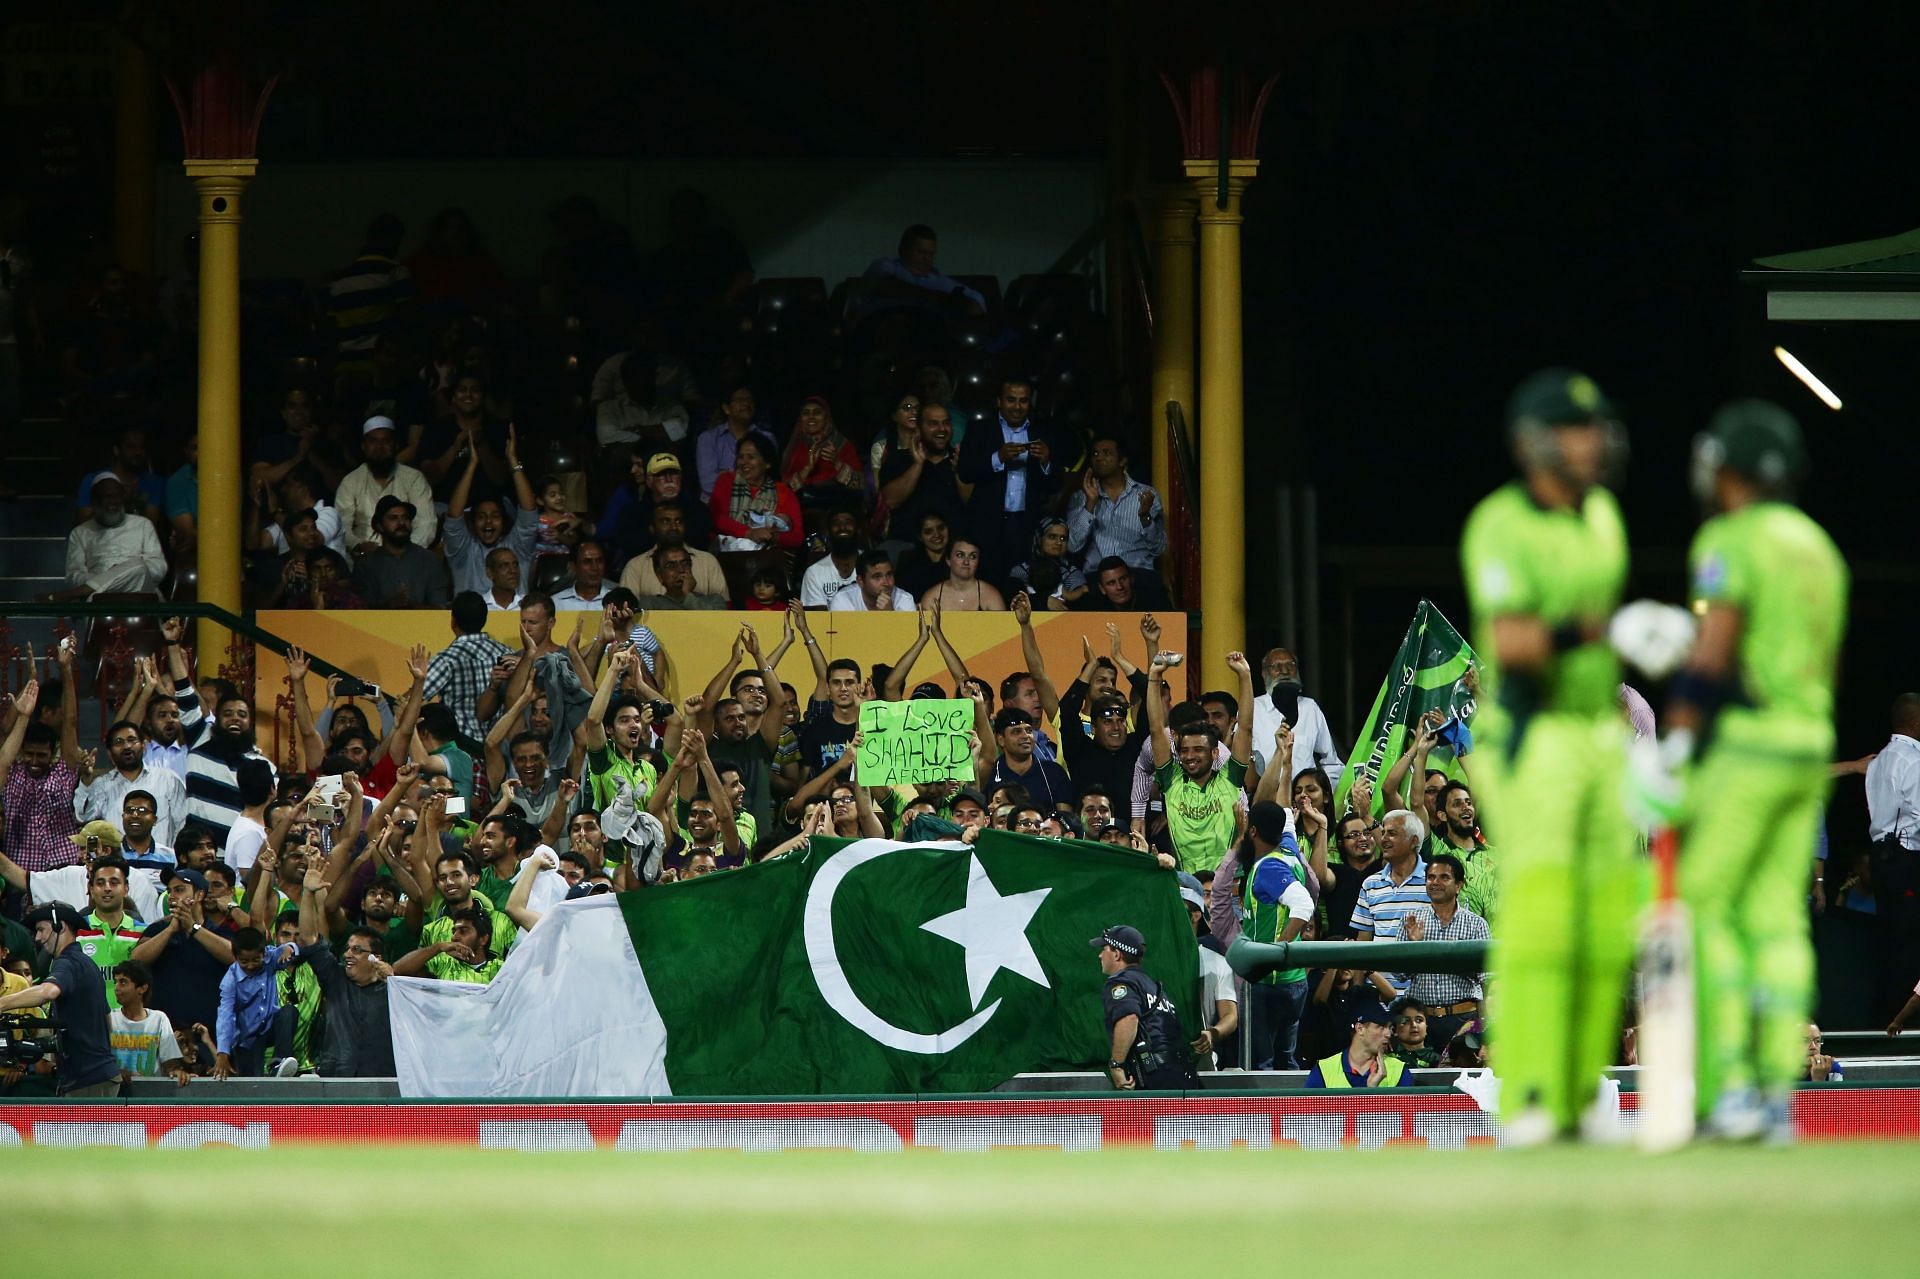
(1409, 1041)
(560, 529)
(141, 1037)
(766, 592)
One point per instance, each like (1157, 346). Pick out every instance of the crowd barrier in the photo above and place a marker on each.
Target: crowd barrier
(1434, 1118)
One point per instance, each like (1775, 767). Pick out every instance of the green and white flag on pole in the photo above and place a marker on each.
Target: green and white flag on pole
(1428, 673)
(853, 966)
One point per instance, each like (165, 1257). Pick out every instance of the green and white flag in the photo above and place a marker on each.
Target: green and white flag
(1429, 673)
(853, 966)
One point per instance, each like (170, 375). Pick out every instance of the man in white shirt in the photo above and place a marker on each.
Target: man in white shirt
(828, 576)
(1284, 702)
(296, 497)
(874, 591)
(590, 586)
(112, 554)
(126, 751)
(503, 575)
(1893, 824)
(380, 475)
(1893, 780)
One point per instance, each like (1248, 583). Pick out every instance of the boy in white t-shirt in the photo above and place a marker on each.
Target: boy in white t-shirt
(140, 1037)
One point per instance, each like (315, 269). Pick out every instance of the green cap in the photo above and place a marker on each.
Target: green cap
(1757, 439)
(1557, 397)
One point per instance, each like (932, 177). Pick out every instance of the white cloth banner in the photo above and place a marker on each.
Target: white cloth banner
(568, 1015)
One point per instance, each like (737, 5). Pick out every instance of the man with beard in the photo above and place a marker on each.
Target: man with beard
(669, 525)
(924, 478)
(217, 744)
(102, 797)
(382, 475)
(1284, 702)
(166, 740)
(656, 479)
(145, 488)
(399, 572)
(834, 571)
(39, 782)
(111, 554)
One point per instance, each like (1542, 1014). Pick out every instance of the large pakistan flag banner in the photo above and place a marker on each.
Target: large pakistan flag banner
(1429, 673)
(852, 966)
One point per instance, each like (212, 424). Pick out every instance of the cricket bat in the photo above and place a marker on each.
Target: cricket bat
(1667, 1035)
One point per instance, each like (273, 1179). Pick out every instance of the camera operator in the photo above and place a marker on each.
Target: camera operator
(88, 1067)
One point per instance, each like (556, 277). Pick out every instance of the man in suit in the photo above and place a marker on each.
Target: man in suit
(1015, 464)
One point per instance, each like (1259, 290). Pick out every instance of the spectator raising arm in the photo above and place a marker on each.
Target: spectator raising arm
(955, 667)
(593, 729)
(722, 802)
(1161, 744)
(1242, 748)
(894, 687)
(23, 705)
(506, 726)
(1036, 664)
(1424, 738)
(517, 908)
(312, 749)
(815, 658)
(70, 710)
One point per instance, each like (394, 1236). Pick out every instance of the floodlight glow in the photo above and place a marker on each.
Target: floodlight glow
(1807, 378)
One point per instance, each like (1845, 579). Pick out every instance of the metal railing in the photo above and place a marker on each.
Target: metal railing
(109, 648)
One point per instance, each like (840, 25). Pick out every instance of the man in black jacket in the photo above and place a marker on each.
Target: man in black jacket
(1015, 465)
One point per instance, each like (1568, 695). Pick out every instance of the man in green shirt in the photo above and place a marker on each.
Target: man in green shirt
(1201, 799)
(1544, 559)
(613, 733)
(465, 954)
(1755, 702)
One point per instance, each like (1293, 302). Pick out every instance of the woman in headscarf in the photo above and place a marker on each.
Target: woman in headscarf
(1048, 574)
(822, 466)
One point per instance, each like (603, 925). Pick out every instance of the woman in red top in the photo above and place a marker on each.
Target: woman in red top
(750, 509)
(822, 466)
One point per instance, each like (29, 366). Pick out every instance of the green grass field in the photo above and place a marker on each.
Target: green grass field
(1838, 1209)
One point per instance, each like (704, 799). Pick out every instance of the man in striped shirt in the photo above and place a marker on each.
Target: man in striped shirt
(364, 294)
(1397, 889)
(217, 743)
(1115, 514)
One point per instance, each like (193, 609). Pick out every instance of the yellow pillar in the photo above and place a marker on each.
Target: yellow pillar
(1172, 232)
(133, 156)
(219, 183)
(1222, 433)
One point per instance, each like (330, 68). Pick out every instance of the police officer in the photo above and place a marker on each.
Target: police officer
(88, 1067)
(1147, 1050)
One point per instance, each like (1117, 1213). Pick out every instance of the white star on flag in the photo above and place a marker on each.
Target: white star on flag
(993, 929)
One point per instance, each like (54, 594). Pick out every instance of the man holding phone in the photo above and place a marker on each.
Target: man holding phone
(1015, 466)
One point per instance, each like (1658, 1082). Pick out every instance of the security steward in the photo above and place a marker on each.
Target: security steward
(1365, 1063)
(1147, 1050)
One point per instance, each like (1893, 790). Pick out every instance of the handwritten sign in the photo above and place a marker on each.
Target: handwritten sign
(920, 741)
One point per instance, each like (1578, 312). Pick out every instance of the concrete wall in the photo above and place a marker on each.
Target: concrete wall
(797, 218)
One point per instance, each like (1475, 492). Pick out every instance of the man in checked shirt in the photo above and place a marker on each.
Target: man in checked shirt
(463, 672)
(1451, 1001)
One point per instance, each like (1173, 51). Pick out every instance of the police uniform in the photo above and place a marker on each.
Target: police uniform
(1159, 1057)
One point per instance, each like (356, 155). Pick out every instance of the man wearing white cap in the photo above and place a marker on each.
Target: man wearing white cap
(382, 475)
(112, 554)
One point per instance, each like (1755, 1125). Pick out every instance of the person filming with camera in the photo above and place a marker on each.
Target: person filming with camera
(87, 1066)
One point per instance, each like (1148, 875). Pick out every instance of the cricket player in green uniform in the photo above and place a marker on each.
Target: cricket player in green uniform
(1755, 703)
(1545, 558)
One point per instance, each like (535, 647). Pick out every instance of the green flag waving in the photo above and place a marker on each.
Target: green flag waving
(1429, 673)
(863, 966)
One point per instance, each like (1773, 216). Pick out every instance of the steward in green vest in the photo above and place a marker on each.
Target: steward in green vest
(1364, 1064)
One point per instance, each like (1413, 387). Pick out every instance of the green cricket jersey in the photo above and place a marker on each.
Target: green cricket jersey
(1789, 583)
(1521, 558)
(1200, 816)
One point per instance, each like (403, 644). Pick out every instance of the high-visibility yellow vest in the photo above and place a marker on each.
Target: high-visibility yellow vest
(1333, 1072)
